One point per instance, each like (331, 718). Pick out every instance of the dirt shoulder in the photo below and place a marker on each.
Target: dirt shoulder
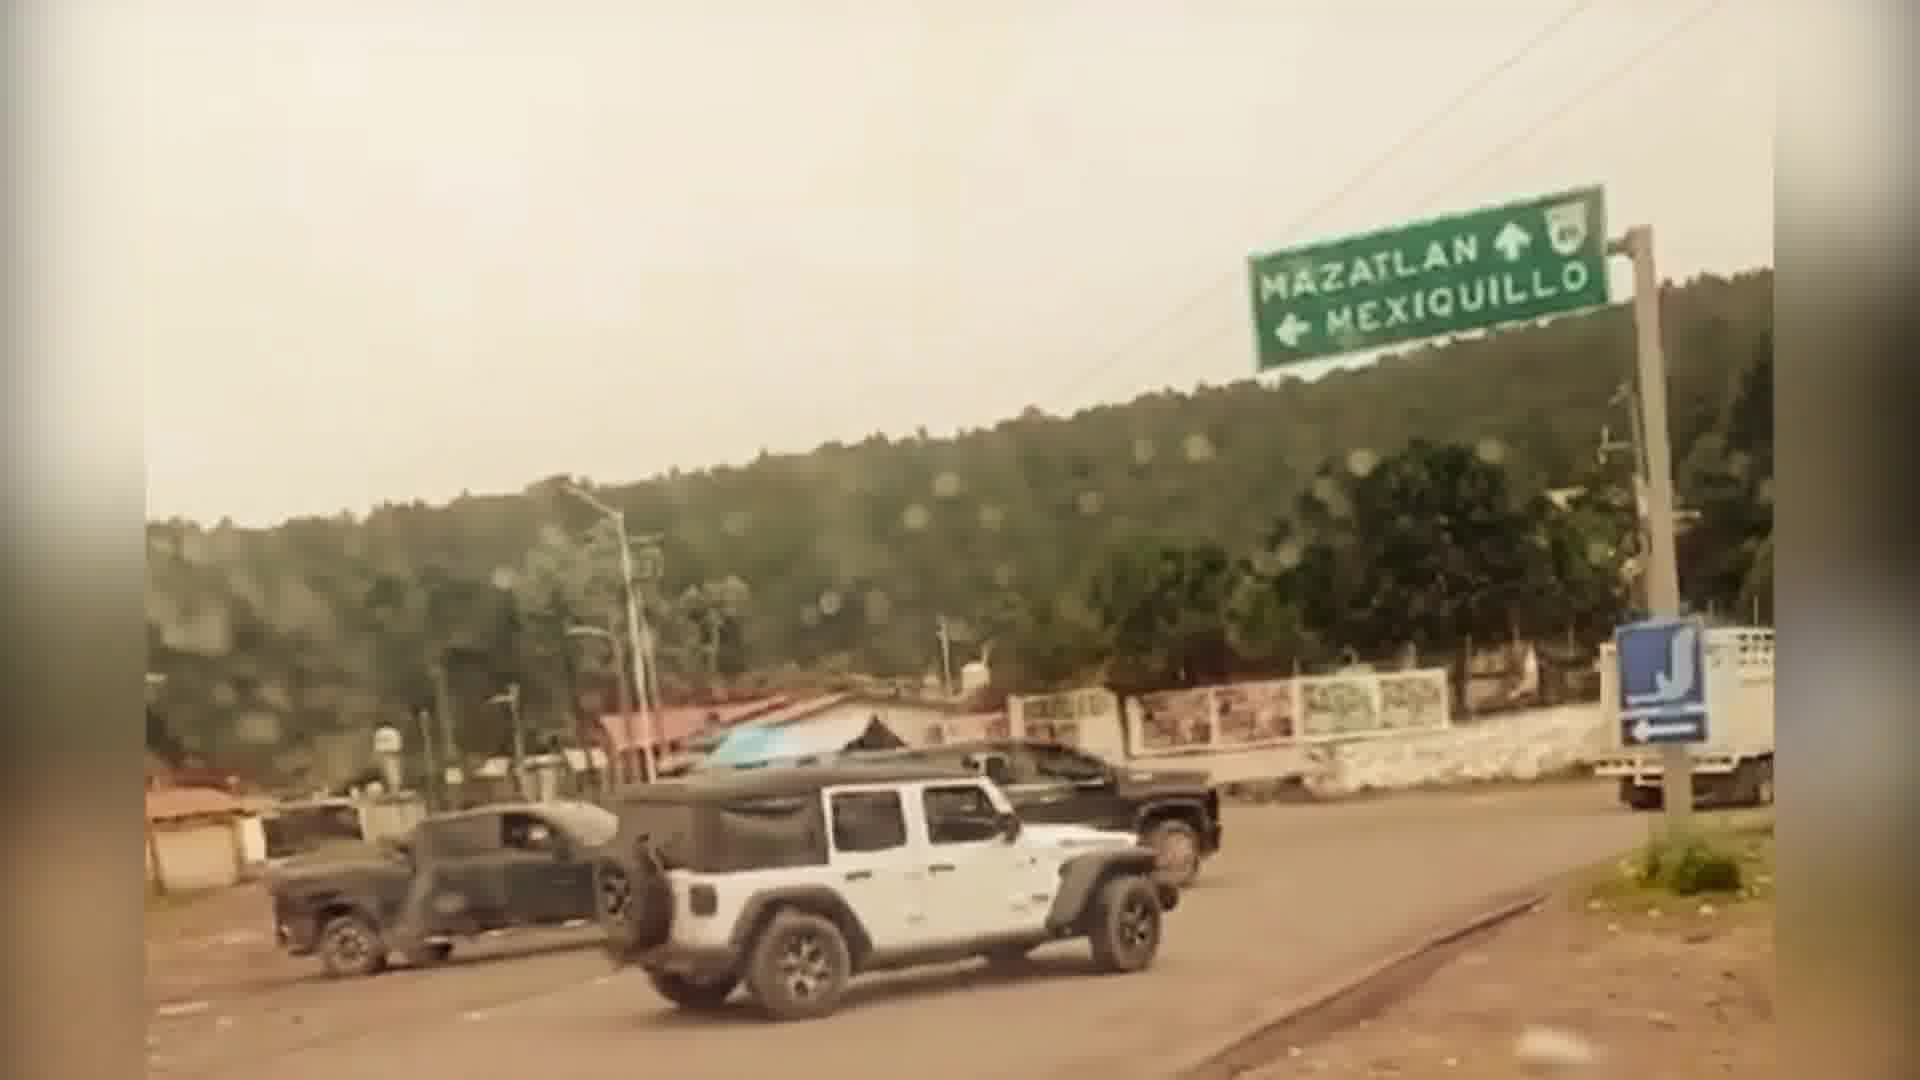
(212, 945)
(1656, 987)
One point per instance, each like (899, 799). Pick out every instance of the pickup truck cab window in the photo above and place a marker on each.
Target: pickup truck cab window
(1064, 763)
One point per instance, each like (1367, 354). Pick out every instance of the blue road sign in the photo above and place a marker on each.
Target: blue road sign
(1663, 681)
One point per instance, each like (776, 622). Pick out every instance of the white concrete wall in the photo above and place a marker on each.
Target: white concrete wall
(253, 839)
(1515, 746)
(196, 857)
(389, 817)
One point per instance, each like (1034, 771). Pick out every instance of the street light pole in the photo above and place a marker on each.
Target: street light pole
(511, 699)
(946, 655)
(636, 628)
(622, 692)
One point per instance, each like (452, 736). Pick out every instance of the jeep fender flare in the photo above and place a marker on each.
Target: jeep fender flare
(1161, 809)
(1082, 876)
(762, 906)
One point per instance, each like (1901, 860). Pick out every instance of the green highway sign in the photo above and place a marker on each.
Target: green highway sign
(1511, 263)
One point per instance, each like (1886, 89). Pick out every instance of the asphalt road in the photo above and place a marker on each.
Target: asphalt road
(1301, 894)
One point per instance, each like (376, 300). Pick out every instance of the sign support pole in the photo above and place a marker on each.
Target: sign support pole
(1661, 566)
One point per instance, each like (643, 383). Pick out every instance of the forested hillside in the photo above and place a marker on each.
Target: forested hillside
(1173, 538)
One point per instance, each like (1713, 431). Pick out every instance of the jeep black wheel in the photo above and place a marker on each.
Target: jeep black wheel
(1125, 926)
(350, 945)
(694, 995)
(799, 966)
(1176, 852)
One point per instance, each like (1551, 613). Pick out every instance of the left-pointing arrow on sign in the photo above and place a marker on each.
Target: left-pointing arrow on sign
(1291, 330)
(1647, 730)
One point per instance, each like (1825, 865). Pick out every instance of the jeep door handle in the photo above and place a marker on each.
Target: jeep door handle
(859, 875)
(940, 868)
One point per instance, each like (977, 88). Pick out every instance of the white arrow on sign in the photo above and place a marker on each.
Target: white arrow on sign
(1291, 330)
(1512, 241)
(1647, 730)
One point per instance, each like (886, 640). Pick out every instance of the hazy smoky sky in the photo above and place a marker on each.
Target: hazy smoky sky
(397, 249)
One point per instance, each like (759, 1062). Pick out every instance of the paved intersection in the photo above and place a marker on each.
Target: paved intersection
(1301, 894)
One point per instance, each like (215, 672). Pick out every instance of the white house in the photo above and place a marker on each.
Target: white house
(199, 838)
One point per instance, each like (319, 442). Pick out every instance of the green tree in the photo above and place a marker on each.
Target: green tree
(1425, 548)
(853, 550)
(1164, 612)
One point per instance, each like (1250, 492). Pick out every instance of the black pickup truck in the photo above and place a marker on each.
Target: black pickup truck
(453, 876)
(1174, 812)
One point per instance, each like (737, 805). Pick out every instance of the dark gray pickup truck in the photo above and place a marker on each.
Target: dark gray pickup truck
(455, 875)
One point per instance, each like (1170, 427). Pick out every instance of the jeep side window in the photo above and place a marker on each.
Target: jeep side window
(868, 821)
(960, 814)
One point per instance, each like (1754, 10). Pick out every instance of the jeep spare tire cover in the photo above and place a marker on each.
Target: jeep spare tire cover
(634, 902)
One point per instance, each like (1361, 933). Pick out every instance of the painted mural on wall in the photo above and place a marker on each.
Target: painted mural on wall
(1251, 713)
(1241, 716)
(1065, 717)
(1174, 720)
(1338, 706)
(1412, 701)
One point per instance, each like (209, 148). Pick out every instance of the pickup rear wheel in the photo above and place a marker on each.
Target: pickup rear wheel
(694, 995)
(351, 945)
(1125, 926)
(1176, 851)
(799, 966)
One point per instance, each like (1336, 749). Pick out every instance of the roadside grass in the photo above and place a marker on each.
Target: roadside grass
(1723, 860)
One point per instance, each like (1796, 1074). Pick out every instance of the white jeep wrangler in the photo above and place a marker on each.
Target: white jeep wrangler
(794, 880)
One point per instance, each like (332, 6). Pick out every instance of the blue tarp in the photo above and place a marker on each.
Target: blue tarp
(758, 744)
(748, 745)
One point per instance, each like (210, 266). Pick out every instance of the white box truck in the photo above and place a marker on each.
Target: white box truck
(1734, 767)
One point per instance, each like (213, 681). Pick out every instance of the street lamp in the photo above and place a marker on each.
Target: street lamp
(620, 684)
(510, 697)
(636, 625)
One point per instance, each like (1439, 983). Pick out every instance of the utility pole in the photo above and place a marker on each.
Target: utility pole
(424, 717)
(1634, 447)
(623, 698)
(1661, 573)
(449, 746)
(511, 699)
(946, 654)
(637, 631)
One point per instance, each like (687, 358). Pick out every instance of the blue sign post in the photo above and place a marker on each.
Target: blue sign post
(1663, 682)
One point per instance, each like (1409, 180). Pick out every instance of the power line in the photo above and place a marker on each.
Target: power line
(1373, 168)
(1559, 112)
(1632, 63)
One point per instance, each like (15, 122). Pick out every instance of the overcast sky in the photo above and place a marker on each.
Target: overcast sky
(387, 249)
